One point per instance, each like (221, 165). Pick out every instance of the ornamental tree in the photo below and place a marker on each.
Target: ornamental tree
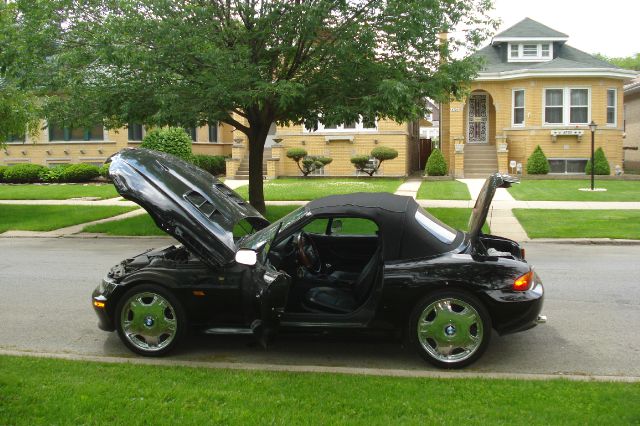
(537, 163)
(307, 163)
(246, 63)
(601, 162)
(381, 153)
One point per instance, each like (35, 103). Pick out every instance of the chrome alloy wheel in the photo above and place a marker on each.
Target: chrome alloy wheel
(450, 330)
(148, 321)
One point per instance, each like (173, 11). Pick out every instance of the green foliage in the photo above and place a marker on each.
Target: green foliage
(436, 165)
(360, 161)
(53, 174)
(214, 164)
(2, 170)
(296, 154)
(629, 62)
(23, 173)
(602, 165)
(269, 61)
(80, 173)
(307, 163)
(380, 153)
(172, 140)
(104, 170)
(537, 163)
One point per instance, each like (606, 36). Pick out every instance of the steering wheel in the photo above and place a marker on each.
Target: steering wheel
(308, 253)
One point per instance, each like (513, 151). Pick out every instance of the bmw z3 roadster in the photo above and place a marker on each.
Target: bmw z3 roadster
(362, 262)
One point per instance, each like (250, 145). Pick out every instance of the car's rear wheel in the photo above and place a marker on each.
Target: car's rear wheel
(450, 329)
(150, 320)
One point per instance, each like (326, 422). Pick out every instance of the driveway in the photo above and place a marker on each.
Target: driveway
(592, 302)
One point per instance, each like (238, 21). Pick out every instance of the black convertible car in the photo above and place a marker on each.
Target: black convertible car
(364, 261)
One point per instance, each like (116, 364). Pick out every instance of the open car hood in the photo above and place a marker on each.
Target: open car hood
(185, 201)
(483, 203)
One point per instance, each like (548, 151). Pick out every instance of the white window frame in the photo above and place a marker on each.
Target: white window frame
(513, 108)
(566, 106)
(340, 128)
(614, 106)
(522, 58)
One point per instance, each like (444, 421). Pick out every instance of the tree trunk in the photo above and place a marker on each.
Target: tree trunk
(257, 137)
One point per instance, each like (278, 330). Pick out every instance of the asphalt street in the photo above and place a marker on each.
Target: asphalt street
(592, 302)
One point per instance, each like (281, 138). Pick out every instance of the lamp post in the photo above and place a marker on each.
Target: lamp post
(593, 127)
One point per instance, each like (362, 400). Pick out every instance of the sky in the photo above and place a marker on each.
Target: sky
(610, 27)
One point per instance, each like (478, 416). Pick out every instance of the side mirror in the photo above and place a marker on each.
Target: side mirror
(336, 226)
(246, 257)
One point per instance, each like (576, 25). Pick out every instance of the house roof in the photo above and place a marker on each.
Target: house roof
(528, 28)
(633, 87)
(566, 61)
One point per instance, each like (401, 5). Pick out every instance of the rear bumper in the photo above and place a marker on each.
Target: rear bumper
(514, 311)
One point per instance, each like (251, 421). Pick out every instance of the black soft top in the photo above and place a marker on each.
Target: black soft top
(403, 237)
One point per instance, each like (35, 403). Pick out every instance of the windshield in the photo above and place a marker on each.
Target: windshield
(259, 239)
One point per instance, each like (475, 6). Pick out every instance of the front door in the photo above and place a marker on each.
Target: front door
(478, 119)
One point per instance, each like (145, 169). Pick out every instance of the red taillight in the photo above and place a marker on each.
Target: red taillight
(523, 282)
(521, 253)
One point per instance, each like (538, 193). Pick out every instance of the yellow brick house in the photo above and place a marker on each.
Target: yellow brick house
(534, 89)
(56, 145)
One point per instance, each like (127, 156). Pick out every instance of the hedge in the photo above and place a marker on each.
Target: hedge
(214, 164)
(602, 165)
(172, 140)
(436, 165)
(23, 173)
(537, 164)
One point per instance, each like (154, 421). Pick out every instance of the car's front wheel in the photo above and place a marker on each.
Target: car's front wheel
(150, 320)
(450, 329)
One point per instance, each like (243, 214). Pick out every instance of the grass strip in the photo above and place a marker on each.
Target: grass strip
(47, 218)
(56, 192)
(541, 223)
(301, 189)
(457, 218)
(568, 190)
(443, 190)
(47, 391)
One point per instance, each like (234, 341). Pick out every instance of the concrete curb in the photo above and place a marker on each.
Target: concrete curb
(432, 374)
(586, 241)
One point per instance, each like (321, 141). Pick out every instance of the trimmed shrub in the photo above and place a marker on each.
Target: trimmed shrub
(172, 140)
(296, 154)
(23, 173)
(602, 165)
(80, 173)
(307, 163)
(104, 171)
(380, 153)
(2, 170)
(54, 174)
(436, 165)
(214, 164)
(537, 163)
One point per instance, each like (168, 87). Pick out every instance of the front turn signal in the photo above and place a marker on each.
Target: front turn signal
(523, 283)
(98, 304)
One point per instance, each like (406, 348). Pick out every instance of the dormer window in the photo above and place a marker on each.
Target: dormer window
(530, 52)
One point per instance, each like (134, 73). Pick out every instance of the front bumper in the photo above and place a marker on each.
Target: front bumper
(102, 303)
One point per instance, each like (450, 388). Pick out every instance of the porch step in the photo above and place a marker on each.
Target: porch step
(480, 160)
(243, 169)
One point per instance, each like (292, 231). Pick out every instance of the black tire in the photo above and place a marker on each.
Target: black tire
(150, 320)
(455, 328)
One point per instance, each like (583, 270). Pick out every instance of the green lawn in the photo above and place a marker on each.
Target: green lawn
(47, 218)
(455, 217)
(301, 189)
(143, 225)
(44, 391)
(443, 190)
(568, 190)
(56, 192)
(539, 223)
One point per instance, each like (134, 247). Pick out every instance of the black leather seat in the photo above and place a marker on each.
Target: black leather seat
(343, 300)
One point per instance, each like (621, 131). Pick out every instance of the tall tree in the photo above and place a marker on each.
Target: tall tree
(628, 62)
(249, 63)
